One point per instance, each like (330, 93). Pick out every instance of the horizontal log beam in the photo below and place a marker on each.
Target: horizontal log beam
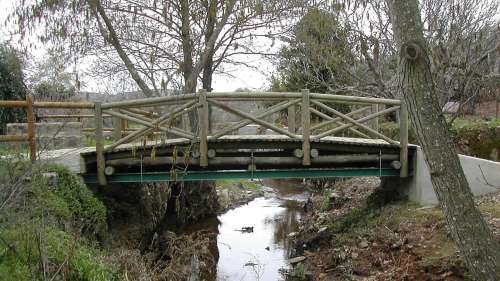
(64, 104)
(149, 102)
(245, 161)
(68, 116)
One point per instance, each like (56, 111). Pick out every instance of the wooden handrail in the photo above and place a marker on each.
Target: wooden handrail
(303, 104)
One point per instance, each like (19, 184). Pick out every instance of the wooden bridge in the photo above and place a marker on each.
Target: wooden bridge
(171, 138)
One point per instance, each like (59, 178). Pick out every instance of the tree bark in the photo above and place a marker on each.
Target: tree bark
(206, 79)
(474, 239)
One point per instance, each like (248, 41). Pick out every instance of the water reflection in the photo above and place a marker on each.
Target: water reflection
(259, 255)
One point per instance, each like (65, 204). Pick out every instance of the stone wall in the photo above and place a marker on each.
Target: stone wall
(53, 135)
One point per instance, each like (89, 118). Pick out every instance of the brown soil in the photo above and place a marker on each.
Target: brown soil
(400, 241)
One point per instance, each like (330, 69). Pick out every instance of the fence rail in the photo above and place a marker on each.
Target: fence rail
(332, 121)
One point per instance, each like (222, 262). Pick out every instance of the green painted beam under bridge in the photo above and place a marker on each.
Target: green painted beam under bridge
(265, 174)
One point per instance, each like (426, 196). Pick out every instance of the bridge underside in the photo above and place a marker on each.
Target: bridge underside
(246, 156)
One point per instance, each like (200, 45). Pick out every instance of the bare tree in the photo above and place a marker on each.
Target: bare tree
(162, 43)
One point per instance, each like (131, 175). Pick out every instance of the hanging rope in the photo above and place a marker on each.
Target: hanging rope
(380, 163)
(141, 166)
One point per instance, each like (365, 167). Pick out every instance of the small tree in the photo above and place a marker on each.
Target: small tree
(11, 85)
(317, 55)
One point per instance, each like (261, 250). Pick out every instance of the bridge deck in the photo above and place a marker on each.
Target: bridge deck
(236, 156)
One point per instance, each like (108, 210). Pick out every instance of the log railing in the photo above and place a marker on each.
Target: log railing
(360, 122)
(30, 106)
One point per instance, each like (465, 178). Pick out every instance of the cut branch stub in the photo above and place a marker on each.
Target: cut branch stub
(411, 51)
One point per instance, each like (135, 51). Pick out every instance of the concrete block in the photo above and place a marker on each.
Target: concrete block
(482, 175)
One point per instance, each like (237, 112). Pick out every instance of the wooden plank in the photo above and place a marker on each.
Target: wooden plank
(149, 102)
(30, 114)
(13, 103)
(65, 104)
(306, 128)
(403, 141)
(203, 127)
(254, 119)
(99, 145)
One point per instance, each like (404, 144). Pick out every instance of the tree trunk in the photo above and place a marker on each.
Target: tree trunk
(190, 80)
(208, 66)
(477, 245)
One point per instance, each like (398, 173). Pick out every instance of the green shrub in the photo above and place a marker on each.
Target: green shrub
(69, 200)
(52, 230)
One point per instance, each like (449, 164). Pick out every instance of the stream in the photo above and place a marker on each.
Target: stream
(263, 253)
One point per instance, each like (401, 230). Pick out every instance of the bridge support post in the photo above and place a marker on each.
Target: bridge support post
(99, 145)
(403, 140)
(306, 128)
(203, 127)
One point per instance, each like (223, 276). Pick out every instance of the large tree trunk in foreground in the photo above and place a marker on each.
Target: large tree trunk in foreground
(468, 228)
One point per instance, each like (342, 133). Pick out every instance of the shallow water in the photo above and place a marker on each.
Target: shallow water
(261, 254)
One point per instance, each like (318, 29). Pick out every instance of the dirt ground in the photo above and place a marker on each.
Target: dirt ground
(344, 239)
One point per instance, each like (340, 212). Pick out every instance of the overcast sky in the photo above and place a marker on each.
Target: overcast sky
(243, 77)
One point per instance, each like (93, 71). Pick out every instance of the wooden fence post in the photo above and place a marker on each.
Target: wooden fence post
(203, 127)
(306, 128)
(292, 128)
(403, 140)
(30, 114)
(99, 145)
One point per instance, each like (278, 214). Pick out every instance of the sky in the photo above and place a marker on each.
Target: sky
(240, 78)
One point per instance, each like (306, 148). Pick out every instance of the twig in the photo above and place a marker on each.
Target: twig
(485, 180)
